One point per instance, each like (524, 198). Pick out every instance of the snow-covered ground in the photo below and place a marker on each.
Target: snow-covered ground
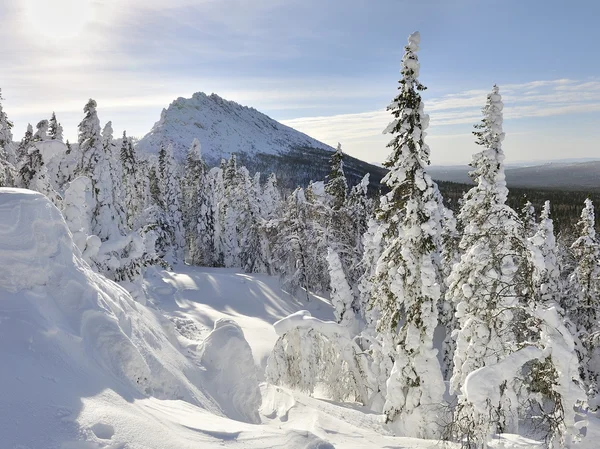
(84, 366)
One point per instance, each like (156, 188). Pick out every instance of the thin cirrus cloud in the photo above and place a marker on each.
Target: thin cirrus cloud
(452, 115)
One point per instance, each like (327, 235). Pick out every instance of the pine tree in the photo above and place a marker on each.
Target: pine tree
(254, 248)
(24, 145)
(408, 276)
(583, 302)
(337, 186)
(546, 274)
(290, 249)
(270, 200)
(131, 181)
(197, 217)
(7, 156)
(528, 218)
(93, 160)
(112, 154)
(55, 129)
(341, 293)
(42, 131)
(170, 191)
(484, 284)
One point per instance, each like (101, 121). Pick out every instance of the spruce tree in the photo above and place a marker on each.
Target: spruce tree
(583, 301)
(528, 218)
(7, 155)
(197, 207)
(170, 191)
(484, 285)
(112, 155)
(42, 131)
(55, 129)
(408, 276)
(342, 297)
(93, 161)
(337, 186)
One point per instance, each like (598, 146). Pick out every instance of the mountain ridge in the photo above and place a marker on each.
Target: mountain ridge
(261, 143)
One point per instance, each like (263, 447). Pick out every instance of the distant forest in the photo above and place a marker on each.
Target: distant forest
(565, 205)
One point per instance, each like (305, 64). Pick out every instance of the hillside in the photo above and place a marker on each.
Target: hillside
(551, 176)
(84, 366)
(261, 144)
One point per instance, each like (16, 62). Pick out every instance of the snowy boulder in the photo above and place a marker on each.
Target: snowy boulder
(231, 372)
(35, 245)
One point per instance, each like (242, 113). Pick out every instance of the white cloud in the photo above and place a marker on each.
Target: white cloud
(458, 110)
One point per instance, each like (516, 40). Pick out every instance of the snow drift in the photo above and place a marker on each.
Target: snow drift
(67, 333)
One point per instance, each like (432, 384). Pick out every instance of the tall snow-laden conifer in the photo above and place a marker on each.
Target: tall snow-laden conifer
(583, 301)
(7, 154)
(55, 129)
(131, 181)
(93, 161)
(528, 218)
(290, 248)
(111, 153)
(484, 284)
(42, 131)
(170, 190)
(270, 199)
(197, 216)
(341, 293)
(337, 186)
(408, 277)
(546, 273)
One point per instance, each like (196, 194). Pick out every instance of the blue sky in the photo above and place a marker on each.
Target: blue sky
(326, 67)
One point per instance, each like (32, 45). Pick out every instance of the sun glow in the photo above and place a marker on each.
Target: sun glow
(57, 19)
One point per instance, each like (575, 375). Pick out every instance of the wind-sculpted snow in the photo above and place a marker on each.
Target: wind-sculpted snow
(223, 127)
(226, 355)
(34, 244)
(79, 332)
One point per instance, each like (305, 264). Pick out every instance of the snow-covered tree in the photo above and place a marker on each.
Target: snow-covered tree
(546, 272)
(24, 145)
(42, 130)
(270, 200)
(7, 155)
(337, 186)
(33, 174)
(197, 209)
(170, 191)
(408, 276)
(254, 245)
(94, 161)
(112, 154)
(583, 301)
(131, 182)
(55, 129)
(484, 284)
(528, 218)
(341, 293)
(290, 249)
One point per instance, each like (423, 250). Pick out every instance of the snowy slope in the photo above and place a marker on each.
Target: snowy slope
(83, 366)
(223, 127)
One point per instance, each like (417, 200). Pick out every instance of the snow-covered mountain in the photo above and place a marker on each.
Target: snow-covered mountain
(262, 144)
(223, 127)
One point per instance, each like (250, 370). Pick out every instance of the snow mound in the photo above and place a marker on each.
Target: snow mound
(223, 127)
(34, 246)
(232, 374)
(68, 333)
